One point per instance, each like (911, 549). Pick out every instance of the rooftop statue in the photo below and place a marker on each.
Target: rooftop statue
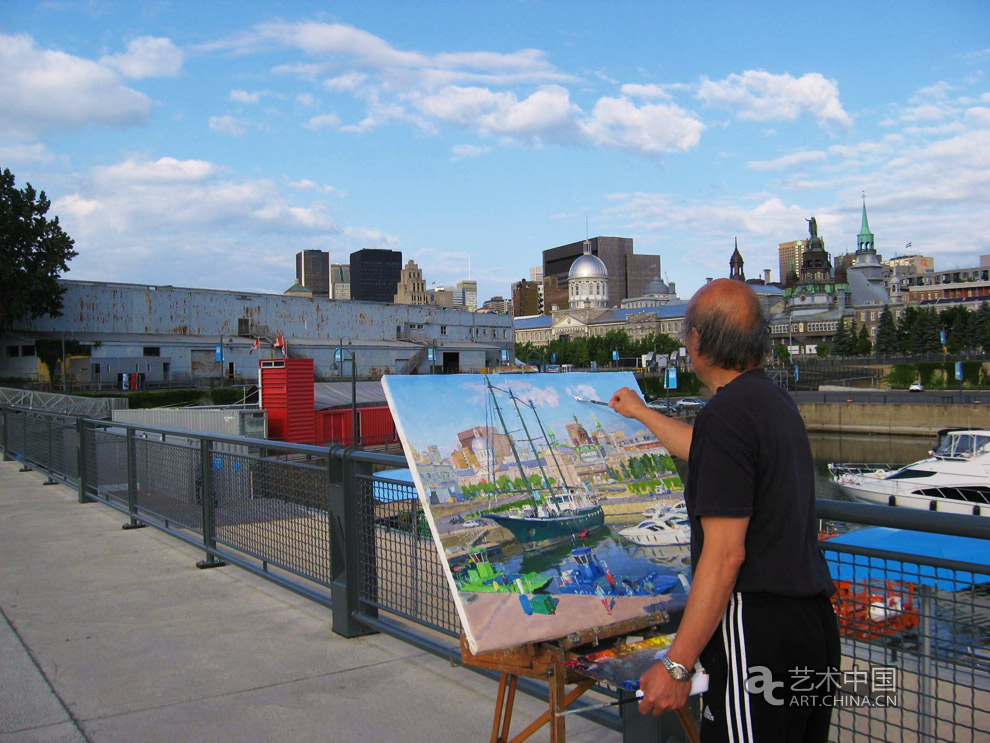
(812, 227)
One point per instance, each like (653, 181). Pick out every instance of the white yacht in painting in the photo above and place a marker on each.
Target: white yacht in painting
(955, 479)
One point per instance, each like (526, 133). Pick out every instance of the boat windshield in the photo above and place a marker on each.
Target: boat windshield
(963, 446)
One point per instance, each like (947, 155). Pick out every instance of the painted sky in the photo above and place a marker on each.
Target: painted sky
(203, 144)
(425, 422)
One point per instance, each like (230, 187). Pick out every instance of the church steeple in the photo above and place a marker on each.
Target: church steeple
(865, 241)
(736, 264)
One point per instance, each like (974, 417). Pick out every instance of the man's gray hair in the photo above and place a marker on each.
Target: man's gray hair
(731, 336)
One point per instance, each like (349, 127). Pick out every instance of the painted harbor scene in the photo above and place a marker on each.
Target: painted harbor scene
(552, 514)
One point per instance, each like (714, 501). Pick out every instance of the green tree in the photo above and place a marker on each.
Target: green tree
(781, 353)
(886, 333)
(925, 333)
(905, 329)
(34, 251)
(864, 346)
(983, 326)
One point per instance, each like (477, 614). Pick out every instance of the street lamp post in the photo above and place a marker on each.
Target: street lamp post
(339, 358)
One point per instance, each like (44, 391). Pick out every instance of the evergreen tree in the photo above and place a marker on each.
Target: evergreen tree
(905, 330)
(864, 347)
(886, 333)
(983, 327)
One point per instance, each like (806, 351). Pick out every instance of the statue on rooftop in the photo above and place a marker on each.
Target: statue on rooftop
(812, 227)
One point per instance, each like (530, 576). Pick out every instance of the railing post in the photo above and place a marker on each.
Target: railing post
(129, 443)
(206, 500)
(48, 455)
(25, 467)
(82, 460)
(352, 540)
(6, 435)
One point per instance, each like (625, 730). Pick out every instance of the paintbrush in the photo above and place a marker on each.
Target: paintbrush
(603, 705)
(593, 402)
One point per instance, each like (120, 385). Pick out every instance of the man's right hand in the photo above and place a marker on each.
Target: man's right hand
(628, 403)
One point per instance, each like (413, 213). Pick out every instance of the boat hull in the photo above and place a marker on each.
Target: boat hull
(534, 532)
(903, 498)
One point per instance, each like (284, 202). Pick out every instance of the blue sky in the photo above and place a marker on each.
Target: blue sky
(424, 423)
(203, 144)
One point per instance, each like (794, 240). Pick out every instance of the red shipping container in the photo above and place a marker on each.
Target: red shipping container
(334, 427)
(287, 393)
(377, 426)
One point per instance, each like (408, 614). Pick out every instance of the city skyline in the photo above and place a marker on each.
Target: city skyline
(204, 146)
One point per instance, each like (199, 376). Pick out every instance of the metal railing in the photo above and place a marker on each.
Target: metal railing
(321, 522)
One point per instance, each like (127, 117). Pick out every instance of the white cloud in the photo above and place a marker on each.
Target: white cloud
(165, 170)
(131, 219)
(243, 96)
(463, 151)
(307, 185)
(756, 95)
(147, 56)
(978, 116)
(787, 162)
(323, 121)
(227, 125)
(26, 153)
(547, 112)
(349, 81)
(650, 92)
(653, 128)
(42, 90)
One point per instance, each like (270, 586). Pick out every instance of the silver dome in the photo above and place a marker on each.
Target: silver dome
(587, 266)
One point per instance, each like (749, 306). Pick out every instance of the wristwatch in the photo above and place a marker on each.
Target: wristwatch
(675, 669)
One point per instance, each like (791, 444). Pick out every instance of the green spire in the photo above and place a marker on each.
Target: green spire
(865, 242)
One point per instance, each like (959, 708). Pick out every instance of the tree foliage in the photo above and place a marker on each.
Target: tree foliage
(34, 251)
(583, 350)
(886, 333)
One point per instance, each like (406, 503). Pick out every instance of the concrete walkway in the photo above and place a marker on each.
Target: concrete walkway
(112, 636)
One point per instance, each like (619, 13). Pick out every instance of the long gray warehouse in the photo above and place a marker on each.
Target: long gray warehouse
(172, 334)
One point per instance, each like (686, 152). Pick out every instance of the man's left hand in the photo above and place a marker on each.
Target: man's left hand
(661, 693)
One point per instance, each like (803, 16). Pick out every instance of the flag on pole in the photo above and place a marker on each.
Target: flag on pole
(907, 246)
(256, 344)
(280, 343)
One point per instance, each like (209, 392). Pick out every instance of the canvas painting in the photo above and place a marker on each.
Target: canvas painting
(552, 513)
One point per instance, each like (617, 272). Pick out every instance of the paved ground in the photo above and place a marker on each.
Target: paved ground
(112, 636)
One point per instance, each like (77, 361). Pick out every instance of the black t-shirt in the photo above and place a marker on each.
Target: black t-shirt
(750, 456)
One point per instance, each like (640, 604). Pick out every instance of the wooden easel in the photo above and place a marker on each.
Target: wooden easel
(547, 661)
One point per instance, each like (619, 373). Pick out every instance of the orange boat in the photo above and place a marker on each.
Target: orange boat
(875, 609)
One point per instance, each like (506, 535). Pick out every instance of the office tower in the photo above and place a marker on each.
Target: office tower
(313, 271)
(375, 274)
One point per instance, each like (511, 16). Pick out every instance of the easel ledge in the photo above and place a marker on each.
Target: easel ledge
(547, 661)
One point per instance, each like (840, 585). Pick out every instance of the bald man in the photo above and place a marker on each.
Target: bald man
(758, 615)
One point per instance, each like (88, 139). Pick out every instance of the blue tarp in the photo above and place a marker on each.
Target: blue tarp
(860, 568)
(386, 492)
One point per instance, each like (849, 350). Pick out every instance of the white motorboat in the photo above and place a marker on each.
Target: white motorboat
(955, 479)
(665, 529)
(659, 509)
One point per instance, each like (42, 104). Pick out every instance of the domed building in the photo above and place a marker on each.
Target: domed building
(587, 282)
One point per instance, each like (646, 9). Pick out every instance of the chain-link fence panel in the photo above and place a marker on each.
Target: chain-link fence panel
(916, 647)
(408, 578)
(167, 482)
(274, 510)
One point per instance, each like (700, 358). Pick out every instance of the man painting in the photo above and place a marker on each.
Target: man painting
(758, 611)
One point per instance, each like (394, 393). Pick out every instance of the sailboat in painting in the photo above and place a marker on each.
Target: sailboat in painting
(556, 512)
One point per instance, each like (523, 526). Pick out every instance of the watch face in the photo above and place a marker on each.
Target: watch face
(677, 671)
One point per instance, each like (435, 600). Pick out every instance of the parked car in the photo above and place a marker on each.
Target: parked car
(916, 387)
(690, 403)
(662, 406)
